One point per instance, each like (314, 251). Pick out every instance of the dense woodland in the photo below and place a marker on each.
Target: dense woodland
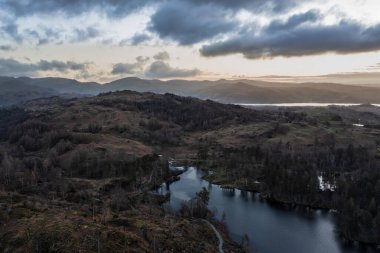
(99, 158)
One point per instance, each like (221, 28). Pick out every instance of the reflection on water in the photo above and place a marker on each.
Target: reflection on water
(272, 228)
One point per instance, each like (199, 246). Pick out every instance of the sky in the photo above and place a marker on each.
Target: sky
(104, 40)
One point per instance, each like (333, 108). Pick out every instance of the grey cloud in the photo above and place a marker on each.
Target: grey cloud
(60, 66)
(130, 68)
(139, 38)
(44, 35)
(189, 24)
(10, 30)
(162, 56)
(275, 6)
(374, 67)
(160, 69)
(113, 8)
(6, 48)
(12, 67)
(85, 34)
(184, 21)
(293, 21)
(121, 8)
(342, 38)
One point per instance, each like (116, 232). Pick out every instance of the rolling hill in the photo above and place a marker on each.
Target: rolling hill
(15, 90)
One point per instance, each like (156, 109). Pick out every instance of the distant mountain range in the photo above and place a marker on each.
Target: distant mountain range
(16, 90)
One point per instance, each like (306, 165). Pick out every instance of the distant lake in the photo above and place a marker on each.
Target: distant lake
(271, 228)
(303, 104)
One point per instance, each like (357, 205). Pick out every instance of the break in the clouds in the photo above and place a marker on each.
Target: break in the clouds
(12, 67)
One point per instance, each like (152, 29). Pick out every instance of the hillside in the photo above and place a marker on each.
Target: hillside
(224, 91)
(87, 169)
(15, 91)
(94, 161)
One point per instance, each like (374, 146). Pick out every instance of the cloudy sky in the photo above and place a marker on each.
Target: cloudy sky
(103, 40)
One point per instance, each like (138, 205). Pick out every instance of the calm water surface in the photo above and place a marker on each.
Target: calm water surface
(303, 105)
(271, 228)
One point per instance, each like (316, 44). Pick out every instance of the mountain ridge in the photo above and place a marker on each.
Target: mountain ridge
(224, 91)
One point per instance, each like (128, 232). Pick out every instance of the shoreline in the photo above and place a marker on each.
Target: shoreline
(273, 200)
(225, 240)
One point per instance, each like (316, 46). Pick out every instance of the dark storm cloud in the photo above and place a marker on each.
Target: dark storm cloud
(12, 67)
(299, 40)
(160, 69)
(188, 24)
(130, 68)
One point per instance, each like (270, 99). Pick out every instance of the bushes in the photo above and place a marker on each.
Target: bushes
(98, 164)
(197, 206)
(32, 127)
(94, 128)
(120, 128)
(9, 118)
(190, 113)
(63, 146)
(29, 134)
(54, 137)
(81, 138)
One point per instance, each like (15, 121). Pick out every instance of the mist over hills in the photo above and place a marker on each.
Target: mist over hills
(16, 90)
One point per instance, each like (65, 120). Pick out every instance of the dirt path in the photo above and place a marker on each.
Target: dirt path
(218, 235)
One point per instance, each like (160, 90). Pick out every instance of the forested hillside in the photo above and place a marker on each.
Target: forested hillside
(84, 168)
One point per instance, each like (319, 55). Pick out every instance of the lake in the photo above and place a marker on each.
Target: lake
(271, 228)
(303, 105)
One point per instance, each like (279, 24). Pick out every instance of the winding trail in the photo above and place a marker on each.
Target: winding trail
(218, 235)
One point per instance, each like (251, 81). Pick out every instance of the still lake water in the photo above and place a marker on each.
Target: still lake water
(271, 228)
(303, 105)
